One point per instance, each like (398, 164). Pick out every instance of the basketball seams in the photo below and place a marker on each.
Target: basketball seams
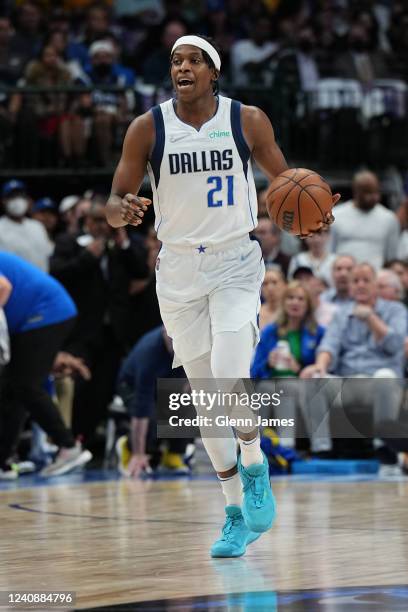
(292, 179)
(284, 199)
(314, 199)
(299, 215)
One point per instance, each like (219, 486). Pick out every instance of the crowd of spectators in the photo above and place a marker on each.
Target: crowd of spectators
(333, 303)
(350, 54)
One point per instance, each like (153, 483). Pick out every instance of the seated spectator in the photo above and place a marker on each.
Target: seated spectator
(97, 24)
(74, 55)
(12, 58)
(27, 39)
(40, 316)
(296, 327)
(297, 68)
(389, 286)
(270, 236)
(273, 287)
(317, 257)
(250, 58)
(360, 62)
(363, 226)
(97, 269)
(285, 348)
(45, 211)
(53, 110)
(151, 358)
(107, 108)
(155, 69)
(366, 339)
(339, 293)
(19, 234)
(400, 267)
(315, 286)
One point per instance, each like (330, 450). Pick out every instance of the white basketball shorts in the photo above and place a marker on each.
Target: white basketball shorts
(206, 290)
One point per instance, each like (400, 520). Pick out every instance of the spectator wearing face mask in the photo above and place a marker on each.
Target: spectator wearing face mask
(19, 234)
(360, 62)
(106, 108)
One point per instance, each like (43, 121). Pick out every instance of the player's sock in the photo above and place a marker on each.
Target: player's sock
(250, 451)
(232, 489)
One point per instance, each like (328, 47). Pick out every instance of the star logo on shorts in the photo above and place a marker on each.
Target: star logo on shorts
(201, 249)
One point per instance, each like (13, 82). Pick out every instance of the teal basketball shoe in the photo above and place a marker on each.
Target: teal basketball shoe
(235, 535)
(258, 506)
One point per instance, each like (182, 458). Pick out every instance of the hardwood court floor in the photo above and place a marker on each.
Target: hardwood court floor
(129, 541)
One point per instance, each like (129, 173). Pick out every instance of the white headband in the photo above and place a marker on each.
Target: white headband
(196, 41)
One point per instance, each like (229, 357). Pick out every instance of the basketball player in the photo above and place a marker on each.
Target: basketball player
(197, 148)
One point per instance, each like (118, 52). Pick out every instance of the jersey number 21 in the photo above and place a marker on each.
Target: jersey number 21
(217, 181)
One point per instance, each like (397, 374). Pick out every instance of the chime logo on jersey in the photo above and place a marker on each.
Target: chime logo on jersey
(219, 134)
(200, 161)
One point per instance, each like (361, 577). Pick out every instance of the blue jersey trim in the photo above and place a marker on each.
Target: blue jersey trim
(239, 139)
(158, 150)
(241, 144)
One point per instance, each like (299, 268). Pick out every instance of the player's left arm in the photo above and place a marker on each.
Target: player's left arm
(260, 137)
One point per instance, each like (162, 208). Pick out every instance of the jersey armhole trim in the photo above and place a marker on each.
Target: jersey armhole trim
(158, 149)
(238, 135)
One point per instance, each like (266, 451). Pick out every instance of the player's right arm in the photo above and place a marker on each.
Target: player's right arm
(124, 206)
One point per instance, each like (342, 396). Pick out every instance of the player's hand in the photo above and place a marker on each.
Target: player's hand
(132, 208)
(328, 220)
(138, 464)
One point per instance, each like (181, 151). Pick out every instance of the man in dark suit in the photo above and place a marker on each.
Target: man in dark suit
(97, 269)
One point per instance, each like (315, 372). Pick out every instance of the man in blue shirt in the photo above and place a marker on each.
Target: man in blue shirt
(151, 358)
(364, 340)
(40, 315)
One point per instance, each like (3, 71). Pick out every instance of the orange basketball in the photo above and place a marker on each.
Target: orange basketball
(298, 200)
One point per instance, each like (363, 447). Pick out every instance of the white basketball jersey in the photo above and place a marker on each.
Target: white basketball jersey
(202, 181)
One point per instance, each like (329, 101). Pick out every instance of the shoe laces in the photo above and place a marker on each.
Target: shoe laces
(255, 485)
(229, 524)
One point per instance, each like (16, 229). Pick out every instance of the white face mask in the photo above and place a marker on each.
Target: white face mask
(17, 207)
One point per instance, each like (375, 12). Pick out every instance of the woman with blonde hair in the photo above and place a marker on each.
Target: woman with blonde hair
(272, 288)
(285, 348)
(288, 344)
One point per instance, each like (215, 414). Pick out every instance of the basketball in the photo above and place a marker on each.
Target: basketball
(298, 201)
